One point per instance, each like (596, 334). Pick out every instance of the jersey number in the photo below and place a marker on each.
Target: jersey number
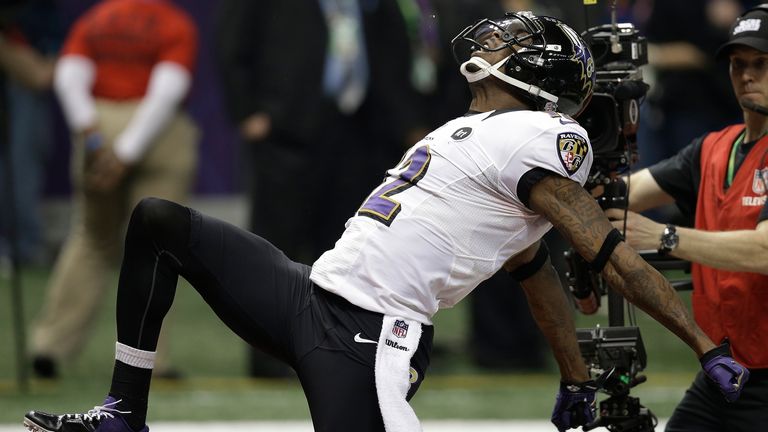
(380, 205)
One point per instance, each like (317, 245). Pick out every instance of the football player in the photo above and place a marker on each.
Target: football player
(475, 195)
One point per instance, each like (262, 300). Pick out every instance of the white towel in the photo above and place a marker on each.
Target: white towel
(398, 341)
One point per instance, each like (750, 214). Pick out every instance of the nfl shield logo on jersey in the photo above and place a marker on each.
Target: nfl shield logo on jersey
(400, 329)
(572, 149)
(759, 181)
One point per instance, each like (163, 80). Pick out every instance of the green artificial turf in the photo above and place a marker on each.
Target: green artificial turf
(215, 387)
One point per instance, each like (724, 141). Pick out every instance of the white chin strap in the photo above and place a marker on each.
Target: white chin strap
(487, 69)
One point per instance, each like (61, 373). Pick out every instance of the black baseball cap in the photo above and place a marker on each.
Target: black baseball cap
(750, 29)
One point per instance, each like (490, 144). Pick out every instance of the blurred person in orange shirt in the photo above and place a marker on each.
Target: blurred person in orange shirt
(124, 72)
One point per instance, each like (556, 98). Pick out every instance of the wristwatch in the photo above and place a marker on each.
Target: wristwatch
(669, 240)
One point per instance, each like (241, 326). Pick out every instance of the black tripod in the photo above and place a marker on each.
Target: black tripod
(621, 349)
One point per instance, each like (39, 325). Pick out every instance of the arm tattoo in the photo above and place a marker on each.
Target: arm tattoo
(573, 212)
(553, 314)
(645, 287)
(578, 217)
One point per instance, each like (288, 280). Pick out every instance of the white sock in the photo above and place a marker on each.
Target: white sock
(134, 357)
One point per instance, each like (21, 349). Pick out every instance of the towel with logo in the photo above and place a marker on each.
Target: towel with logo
(398, 342)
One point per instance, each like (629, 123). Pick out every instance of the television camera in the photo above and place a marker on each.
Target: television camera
(613, 115)
(611, 120)
(615, 355)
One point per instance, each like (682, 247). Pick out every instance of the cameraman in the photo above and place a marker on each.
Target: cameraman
(720, 179)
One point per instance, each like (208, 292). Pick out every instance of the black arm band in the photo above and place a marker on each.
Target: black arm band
(723, 349)
(530, 268)
(611, 241)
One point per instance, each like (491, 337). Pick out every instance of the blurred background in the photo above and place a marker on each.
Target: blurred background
(269, 119)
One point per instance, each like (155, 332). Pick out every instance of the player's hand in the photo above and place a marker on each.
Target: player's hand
(575, 405)
(642, 233)
(724, 371)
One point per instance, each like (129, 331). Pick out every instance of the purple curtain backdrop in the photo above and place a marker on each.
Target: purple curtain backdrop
(218, 172)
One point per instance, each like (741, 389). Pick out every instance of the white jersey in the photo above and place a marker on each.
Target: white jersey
(452, 212)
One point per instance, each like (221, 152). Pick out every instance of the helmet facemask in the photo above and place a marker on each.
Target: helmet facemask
(537, 68)
(522, 30)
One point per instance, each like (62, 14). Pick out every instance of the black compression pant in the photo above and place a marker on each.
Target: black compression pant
(234, 271)
(264, 297)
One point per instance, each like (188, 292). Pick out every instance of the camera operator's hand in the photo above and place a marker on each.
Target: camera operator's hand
(724, 371)
(642, 233)
(575, 405)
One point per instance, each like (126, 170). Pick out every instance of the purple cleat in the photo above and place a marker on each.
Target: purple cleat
(102, 418)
